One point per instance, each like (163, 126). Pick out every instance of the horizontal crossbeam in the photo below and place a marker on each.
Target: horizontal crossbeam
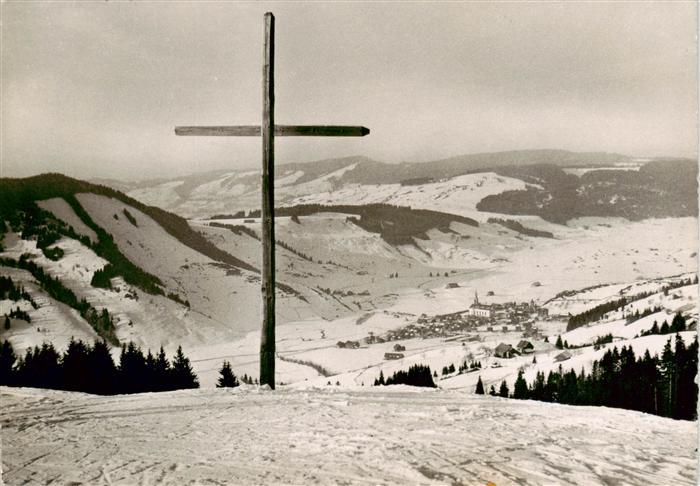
(280, 131)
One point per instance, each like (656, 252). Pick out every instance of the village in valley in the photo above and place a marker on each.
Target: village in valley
(480, 321)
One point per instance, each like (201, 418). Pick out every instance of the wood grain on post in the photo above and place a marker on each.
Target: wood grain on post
(267, 339)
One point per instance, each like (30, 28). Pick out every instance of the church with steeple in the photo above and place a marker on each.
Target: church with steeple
(478, 309)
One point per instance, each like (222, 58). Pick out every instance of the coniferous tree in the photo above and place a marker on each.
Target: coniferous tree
(568, 388)
(503, 391)
(479, 387)
(74, 363)
(150, 378)
(182, 373)
(665, 329)
(161, 370)
(559, 343)
(669, 381)
(686, 390)
(551, 386)
(40, 367)
(537, 389)
(520, 390)
(227, 378)
(7, 323)
(648, 381)
(132, 369)
(101, 373)
(7, 362)
(492, 391)
(678, 323)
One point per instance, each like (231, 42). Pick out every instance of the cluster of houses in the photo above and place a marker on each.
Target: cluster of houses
(479, 317)
(505, 317)
(508, 351)
(507, 313)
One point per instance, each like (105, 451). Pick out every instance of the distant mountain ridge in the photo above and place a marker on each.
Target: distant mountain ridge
(559, 185)
(370, 171)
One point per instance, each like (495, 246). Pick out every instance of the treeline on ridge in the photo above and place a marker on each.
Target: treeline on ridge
(397, 225)
(519, 228)
(91, 369)
(595, 313)
(661, 188)
(658, 385)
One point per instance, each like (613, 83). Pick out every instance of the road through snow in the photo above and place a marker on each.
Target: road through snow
(388, 435)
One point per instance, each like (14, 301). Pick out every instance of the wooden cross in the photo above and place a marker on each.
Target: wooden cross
(269, 131)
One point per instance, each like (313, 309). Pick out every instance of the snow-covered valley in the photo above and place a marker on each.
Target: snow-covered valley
(353, 303)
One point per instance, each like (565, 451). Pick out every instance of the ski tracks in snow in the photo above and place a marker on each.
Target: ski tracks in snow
(390, 435)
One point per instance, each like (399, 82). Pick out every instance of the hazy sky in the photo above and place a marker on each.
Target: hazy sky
(95, 89)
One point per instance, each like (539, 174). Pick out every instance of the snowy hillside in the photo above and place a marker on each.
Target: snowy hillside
(393, 435)
(168, 285)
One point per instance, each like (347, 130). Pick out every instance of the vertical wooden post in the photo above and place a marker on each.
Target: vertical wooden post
(267, 340)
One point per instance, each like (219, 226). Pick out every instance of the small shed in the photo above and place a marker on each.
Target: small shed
(563, 356)
(399, 348)
(393, 355)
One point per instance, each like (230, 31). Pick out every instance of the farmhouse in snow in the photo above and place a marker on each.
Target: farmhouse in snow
(525, 347)
(505, 351)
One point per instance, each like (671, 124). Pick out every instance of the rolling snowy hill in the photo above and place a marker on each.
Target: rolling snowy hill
(392, 435)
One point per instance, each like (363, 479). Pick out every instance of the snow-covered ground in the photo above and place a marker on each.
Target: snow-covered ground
(387, 435)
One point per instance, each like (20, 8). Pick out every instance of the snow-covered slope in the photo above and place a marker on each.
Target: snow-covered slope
(392, 435)
(232, 192)
(217, 294)
(458, 195)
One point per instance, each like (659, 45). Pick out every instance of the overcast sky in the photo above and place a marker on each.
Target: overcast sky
(95, 89)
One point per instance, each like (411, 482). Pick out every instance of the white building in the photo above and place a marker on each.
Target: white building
(480, 310)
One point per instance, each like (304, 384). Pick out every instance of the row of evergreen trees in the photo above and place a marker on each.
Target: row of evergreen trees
(659, 385)
(91, 369)
(471, 366)
(417, 375)
(678, 324)
(595, 313)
